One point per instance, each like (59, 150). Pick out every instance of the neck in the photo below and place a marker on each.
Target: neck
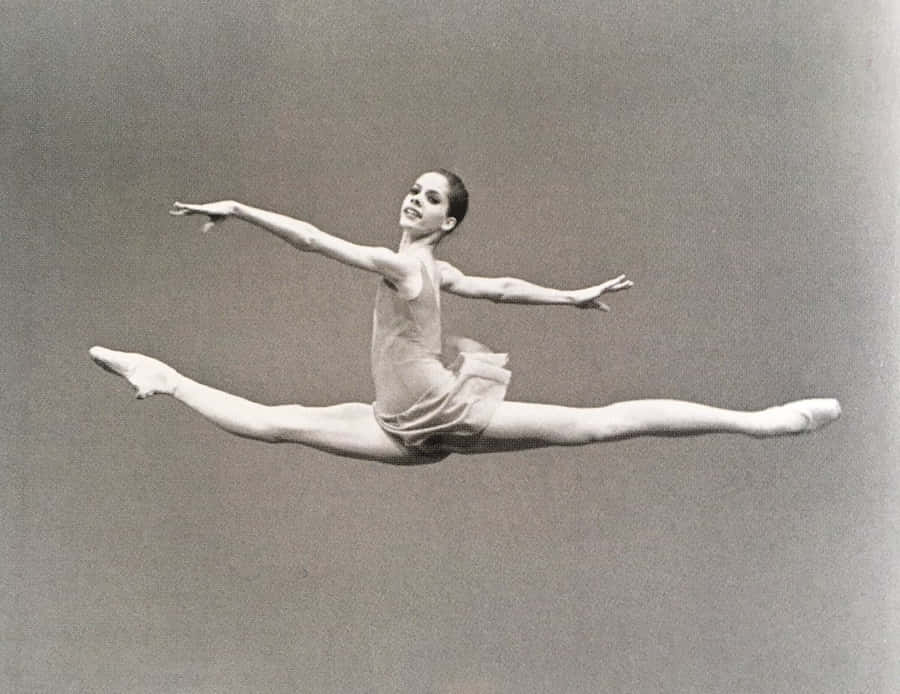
(423, 244)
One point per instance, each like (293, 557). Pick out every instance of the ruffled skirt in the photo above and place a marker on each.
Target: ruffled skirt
(450, 416)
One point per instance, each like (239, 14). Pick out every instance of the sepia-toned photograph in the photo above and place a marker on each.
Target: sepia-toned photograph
(453, 348)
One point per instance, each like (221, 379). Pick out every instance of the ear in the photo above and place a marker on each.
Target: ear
(448, 224)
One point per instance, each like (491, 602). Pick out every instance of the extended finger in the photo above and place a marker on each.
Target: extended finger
(184, 208)
(179, 209)
(613, 282)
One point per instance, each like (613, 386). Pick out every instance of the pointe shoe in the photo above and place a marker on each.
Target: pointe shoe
(147, 375)
(816, 412)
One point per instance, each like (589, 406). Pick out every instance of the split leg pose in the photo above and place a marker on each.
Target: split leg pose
(351, 429)
(425, 408)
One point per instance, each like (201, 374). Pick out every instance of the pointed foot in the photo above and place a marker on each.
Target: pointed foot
(816, 412)
(797, 417)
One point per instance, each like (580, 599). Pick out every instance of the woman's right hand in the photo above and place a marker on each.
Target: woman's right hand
(216, 211)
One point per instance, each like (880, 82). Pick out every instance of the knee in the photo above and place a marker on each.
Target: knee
(596, 425)
(574, 427)
(283, 423)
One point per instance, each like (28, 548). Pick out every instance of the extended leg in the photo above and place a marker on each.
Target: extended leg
(348, 430)
(520, 425)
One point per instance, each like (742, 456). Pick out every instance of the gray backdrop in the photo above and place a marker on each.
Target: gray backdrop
(738, 160)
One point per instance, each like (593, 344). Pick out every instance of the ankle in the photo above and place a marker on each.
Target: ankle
(175, 382)
(775, 421)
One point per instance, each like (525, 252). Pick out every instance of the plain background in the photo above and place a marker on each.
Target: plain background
(740, 161)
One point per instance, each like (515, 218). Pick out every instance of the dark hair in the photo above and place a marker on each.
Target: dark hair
(458, 196)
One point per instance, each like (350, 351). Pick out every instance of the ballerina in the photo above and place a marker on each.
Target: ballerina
(435, 396)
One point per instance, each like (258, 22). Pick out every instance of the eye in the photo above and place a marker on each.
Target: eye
(433, 198)
(414, 190)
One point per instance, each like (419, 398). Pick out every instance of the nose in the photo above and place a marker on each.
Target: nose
(414, 199)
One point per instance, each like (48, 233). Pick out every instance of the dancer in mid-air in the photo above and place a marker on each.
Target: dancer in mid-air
(434, 397)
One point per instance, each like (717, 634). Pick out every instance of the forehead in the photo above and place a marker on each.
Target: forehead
(433, 181)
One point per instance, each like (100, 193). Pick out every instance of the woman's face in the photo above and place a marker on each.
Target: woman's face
(424, 209)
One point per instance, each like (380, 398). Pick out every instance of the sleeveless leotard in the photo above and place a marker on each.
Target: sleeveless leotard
(430, 407)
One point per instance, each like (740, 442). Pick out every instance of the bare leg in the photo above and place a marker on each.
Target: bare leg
(520, 425)
(351, 430)
(348, 430)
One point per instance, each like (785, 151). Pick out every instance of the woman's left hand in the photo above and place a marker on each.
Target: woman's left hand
(590, 296)
(216, 211)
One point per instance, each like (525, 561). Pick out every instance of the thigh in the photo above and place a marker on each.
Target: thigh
(348, 430)
(518, 426)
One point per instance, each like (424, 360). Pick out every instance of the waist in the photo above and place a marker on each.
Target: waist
(400, 383)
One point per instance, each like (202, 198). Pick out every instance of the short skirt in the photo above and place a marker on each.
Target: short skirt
(450, 416)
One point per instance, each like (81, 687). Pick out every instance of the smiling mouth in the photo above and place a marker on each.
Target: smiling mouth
(412, 212)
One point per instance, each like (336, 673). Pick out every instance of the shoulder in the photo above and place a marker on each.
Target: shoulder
(397, 268)
(410, 276)
(448, 275)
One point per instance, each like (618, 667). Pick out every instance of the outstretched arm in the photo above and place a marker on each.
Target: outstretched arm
(306, 237)
(515, 291)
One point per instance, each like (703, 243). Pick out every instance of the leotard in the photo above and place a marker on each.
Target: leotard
(426, 404)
